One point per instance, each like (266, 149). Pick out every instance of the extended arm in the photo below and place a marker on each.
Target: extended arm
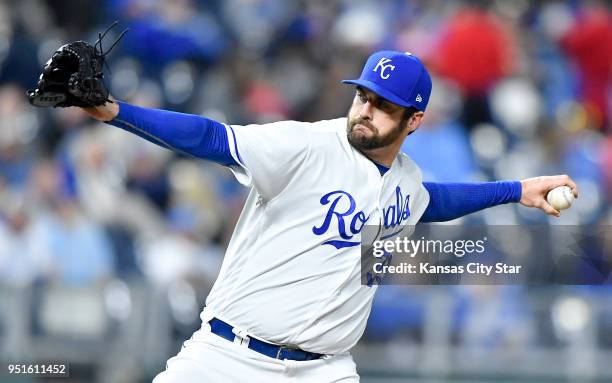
(448, 201)
(184, 133)
(265, 156)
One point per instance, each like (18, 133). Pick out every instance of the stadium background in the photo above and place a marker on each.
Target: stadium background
(109, 244)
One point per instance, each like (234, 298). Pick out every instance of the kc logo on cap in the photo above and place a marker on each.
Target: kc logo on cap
(383, 66)
(399, 77)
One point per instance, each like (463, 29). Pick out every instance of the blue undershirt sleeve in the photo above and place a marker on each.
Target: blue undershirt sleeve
(448, 201)
(183, 133)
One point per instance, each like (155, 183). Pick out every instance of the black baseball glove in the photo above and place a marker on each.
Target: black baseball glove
(74, 76)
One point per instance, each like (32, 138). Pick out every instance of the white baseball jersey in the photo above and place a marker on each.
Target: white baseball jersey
(291, 273)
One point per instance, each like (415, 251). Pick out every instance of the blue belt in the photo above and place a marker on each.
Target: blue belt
(224, 330)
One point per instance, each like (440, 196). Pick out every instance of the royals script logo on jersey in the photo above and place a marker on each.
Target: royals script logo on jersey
(342, 210)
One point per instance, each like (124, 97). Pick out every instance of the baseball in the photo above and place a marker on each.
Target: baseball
(560, 198)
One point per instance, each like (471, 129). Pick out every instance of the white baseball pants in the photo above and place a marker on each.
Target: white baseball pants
(207, 357)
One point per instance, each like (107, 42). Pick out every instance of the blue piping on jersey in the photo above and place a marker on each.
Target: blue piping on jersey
(236, 146)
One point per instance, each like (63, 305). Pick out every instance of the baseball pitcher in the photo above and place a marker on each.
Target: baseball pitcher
(288, 304)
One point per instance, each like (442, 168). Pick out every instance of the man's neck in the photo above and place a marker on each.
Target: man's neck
(383, 156)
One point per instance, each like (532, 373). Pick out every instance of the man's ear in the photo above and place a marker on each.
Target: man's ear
(414, 121)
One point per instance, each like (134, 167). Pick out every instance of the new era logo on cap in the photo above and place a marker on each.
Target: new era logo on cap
(399, 77)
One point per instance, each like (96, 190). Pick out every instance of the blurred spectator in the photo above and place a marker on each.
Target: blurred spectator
(23, 260)
(169, 30)
(475, 51)
(589, 43)
(103, 160)
(179, 255)
(606, 165)
(78, 248)
(18, 129)
(440, 145)
(495, 318)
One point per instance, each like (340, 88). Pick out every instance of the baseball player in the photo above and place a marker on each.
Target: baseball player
(288, 304)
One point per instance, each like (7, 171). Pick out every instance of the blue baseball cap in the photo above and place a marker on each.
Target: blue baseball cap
(399, 77)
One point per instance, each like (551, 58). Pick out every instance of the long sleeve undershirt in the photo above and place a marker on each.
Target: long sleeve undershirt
(448, 201)
(207, 139)
(184, 133)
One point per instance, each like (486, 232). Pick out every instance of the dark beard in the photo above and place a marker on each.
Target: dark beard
(362, 143)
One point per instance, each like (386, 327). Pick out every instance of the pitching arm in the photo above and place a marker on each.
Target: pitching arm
(448, 201)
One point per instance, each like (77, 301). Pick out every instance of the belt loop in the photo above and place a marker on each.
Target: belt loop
(242, 337)
(206, 316)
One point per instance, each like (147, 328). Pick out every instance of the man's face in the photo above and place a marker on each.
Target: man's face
(374, 122)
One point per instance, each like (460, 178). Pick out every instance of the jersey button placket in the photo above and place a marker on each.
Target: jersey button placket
(379, 207)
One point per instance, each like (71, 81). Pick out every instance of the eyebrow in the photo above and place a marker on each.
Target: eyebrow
(376, 98)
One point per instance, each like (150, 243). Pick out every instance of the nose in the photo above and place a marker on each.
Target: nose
(366, 111)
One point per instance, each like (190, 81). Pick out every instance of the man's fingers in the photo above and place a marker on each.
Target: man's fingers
(535, 190)
(572, 185)
(575, 191)
(565, 180)
(545, 206)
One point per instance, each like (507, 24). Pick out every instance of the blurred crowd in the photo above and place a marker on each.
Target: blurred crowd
(521, 89)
